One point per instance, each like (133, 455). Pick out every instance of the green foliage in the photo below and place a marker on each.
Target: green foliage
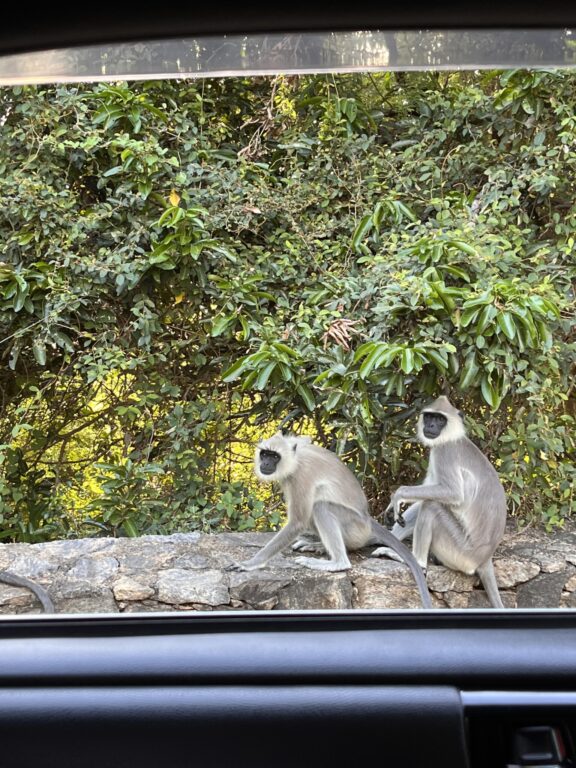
(183, 262)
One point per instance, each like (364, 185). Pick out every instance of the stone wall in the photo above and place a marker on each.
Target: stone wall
(186, 572)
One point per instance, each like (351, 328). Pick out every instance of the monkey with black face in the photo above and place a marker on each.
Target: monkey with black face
(458, 514)
(323, 498)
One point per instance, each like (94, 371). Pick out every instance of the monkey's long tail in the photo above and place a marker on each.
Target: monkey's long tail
(387, 538)
(20, 581)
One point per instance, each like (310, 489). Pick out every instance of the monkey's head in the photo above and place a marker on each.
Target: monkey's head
(277, 458)
(440, 423)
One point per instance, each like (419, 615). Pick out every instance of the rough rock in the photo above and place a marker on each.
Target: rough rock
(545, 591)
(130, 589)
(188, 572)
(510, 571)
(177, 586)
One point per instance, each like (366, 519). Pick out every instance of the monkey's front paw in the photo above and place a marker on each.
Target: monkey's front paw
(397, 503)
(387, 552)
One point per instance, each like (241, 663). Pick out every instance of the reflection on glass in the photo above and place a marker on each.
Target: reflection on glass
(290, 53)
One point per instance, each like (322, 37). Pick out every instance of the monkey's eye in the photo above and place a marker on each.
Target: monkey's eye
(267, 454)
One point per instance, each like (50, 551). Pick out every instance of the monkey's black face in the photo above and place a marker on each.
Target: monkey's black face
(433, 424)
(268, 461)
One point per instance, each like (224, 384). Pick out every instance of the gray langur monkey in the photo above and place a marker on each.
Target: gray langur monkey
(459, 512)
(324, 500)
(6, 577)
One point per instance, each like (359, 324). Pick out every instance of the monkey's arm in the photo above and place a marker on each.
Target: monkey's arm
(291, 531)
(20, 581)
(451, 495)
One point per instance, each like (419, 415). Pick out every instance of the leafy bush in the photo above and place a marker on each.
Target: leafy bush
(185, 265)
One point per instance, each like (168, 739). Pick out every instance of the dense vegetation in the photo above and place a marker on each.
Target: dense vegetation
(186, 265)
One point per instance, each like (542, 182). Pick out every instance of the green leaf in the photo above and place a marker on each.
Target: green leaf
(264, 375)
(467, 316)
(544, 334)
(130, 528)
(465, 247)
(333, 401)
(171, 216)
(456, 272)
(539, 138)
(21, 297)
(62, 339)
(404, 143)
(307, 396)
(407, 360)
(489, 393)
(380, 355)
(528, 105)
(485, 318)
(469, 372)
(437, 357)
(506, 323)
(443, 294)
(245, 327)
(363, 350)
(236, 369)
(286, 349)
(113, 171)
(285, 372)
(484, 298)
(220, 324)
(322, 376)
(362, 229)
(39, 351)
(365, 411)
(248, 381)
(378, 215)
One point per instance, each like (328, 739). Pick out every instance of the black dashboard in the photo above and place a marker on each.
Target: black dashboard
(439, 688)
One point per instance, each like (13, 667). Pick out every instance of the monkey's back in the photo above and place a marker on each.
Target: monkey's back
(464, 466)
(331, 479)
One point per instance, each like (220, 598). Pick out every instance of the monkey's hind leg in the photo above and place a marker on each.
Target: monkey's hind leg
(438, 533)
(488, 579)
(329, 529)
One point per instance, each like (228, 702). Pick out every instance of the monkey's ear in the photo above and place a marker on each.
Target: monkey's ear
(461, 414)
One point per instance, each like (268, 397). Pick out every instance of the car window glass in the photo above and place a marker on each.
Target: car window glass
(205, 242)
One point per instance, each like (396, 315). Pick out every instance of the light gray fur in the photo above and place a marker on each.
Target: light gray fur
(459, 512)
(324, 502)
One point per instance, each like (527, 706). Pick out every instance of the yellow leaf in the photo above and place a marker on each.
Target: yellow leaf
(179, 298)
(174, 198)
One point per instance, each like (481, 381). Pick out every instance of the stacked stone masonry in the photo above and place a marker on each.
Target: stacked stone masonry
(187, 572)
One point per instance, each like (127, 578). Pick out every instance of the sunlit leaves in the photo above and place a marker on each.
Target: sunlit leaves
(409, 359)
(182, 258)
(385, 211)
